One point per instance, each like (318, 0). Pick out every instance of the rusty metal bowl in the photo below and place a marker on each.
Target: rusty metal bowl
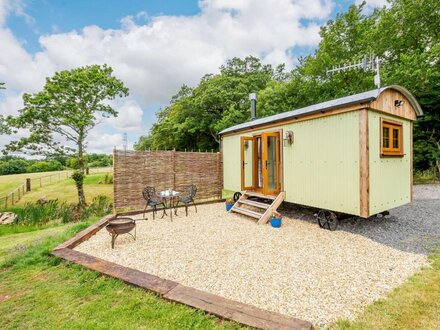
(120, 226)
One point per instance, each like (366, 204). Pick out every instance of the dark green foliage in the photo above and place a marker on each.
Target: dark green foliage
(13, 165)
(45, 166)
(195, 116)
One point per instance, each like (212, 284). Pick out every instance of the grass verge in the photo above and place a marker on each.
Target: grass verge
(413, 305)
(44, 292)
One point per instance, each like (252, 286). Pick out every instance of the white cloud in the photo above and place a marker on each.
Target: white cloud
(155, 58)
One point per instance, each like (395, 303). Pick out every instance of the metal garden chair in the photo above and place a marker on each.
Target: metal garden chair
(188, 197)
(153, 200)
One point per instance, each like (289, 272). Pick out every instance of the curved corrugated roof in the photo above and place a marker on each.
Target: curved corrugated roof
(343, 101)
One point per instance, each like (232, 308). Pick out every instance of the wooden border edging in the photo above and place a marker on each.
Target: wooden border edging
(221, 307)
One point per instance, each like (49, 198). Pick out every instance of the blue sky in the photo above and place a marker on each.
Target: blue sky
(154, 46)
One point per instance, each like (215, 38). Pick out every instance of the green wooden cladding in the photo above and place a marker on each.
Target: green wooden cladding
(321, 168)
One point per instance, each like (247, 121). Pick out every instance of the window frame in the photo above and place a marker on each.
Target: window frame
(391, 151)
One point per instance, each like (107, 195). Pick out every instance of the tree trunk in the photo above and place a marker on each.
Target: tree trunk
(80, 185)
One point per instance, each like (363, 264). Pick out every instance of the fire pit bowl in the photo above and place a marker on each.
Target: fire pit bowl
(120, 226)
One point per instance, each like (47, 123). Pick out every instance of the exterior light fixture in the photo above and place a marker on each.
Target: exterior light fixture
(288, 139)
(246, 144)
(398, 103)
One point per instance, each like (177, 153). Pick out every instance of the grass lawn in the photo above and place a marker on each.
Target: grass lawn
(12, 244)
(66, 191)
(44, 292)
(10, 182)
(413, 305)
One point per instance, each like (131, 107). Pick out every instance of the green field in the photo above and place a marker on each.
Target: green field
(65, 190)
(10, 182)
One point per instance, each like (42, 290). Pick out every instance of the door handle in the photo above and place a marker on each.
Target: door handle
(266, 164)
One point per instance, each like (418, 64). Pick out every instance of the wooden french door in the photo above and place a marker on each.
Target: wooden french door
(271, 163)
(260, 163)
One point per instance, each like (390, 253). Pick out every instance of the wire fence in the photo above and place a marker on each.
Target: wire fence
(32, 183)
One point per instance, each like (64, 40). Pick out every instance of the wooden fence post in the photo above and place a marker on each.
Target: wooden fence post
(28, 184)
(12, 199)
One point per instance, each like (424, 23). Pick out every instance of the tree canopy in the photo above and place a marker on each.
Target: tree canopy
(405, 36)
(70, 104)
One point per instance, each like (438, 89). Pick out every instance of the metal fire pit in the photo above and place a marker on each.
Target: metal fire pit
(120, 226)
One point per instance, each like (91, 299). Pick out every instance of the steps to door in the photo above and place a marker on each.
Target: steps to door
(266, 209)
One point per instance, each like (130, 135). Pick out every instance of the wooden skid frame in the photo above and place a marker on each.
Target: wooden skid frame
(222, 307)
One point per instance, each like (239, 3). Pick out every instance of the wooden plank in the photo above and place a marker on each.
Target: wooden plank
(259, 195)
(249, 213)
(364, 166)
(128, 275)
(411, 158)
(273, 207)
(233, 310)
(85, 234)
(254, 203)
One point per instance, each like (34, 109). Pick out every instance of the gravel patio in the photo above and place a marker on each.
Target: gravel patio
(299, 270)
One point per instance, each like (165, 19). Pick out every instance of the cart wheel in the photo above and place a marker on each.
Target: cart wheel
(237, 196)
(327, 220)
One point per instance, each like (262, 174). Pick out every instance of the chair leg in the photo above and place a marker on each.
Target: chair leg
(195, 205)
(186, 209)
(145, 210)
(154, 212)
(164, 213)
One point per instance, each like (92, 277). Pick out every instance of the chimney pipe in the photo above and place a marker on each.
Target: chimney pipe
(253, 99)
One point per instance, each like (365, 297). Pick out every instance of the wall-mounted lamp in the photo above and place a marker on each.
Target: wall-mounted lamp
(288, 138)
(398, 103)
(246, 144)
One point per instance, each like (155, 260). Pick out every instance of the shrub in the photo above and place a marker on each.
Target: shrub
(39, 214)
(107, 179)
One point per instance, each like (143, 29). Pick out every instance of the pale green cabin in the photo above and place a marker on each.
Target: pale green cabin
(351, 155)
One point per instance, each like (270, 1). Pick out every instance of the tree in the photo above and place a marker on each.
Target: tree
(196, 115)
(71, 103)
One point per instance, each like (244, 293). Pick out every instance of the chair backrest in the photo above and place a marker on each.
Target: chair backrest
(148, 193)
(192, 190)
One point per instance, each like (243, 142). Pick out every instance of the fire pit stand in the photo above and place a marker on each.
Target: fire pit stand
(120, 226)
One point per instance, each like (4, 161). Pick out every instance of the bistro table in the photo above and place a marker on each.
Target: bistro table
(170, 195)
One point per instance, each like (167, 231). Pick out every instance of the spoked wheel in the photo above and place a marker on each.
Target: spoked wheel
(237, 196)
(327, 220)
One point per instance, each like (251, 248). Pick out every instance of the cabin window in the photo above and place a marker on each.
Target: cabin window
(391, 138)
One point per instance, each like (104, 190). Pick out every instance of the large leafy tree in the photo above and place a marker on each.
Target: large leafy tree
(71, 103)
(196, 115)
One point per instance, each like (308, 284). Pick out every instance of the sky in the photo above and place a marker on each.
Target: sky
(153, 46)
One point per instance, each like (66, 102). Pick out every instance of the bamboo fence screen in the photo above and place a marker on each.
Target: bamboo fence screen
(135, 170)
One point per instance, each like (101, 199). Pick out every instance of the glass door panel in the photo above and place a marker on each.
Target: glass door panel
(247, 163)
(271, 162)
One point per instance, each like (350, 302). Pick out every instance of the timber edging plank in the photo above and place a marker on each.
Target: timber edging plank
(233, 310)
(210, 303)
(128, 275)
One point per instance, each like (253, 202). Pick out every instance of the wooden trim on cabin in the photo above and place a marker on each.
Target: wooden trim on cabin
(364, 165)
(411, 158)
(390, 151)
(315, 115)
(243, 140)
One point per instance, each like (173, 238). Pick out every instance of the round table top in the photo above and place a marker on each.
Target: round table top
(167, 194)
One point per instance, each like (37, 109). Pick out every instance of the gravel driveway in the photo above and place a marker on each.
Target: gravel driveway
(299, 269)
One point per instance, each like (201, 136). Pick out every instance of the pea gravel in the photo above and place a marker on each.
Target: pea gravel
(298, 269)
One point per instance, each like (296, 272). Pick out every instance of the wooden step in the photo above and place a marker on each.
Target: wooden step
(255, 194)
(273, 207)
(249, 213)
(254, 203)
